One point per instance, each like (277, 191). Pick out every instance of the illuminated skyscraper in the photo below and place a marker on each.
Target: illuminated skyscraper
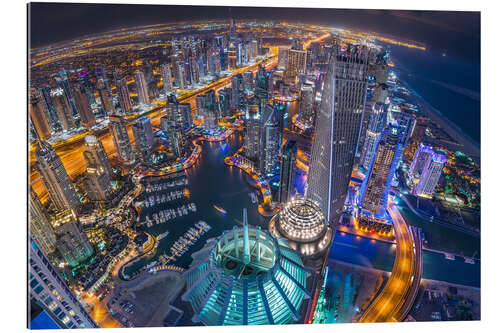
(106, 99)
(122, 91)
(98, 172)
(231, 56)
(283, 57)
(63, 109)
(271, 140)
(254, 49)
(55, 179)
(253, 130)
(38, 116)
(63, 82)
(179, 74)
(296, 63)
(420, 159)
(100, 72)
(118, 129)
(248, 81)
(376, 124)
(287, 171)
(306, 109)
(143, 135)
(49, 290)
(39, 224)
(142, 87)
(52, 115)
(337, 128)
(166, 75)
(86, 85)
(237, 88)
(431, 172)
(82, 101)
(72, 242)
(375, 187)
(246, 277)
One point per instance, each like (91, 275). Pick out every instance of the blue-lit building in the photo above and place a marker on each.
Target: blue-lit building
(48, 290)
(246, 277)
(374, 191)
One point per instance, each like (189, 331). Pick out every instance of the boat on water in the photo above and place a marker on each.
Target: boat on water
(221, 210)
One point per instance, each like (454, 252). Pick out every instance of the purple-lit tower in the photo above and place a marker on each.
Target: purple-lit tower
(431, 171)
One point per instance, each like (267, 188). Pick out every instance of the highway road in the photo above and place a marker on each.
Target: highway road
(388, 306)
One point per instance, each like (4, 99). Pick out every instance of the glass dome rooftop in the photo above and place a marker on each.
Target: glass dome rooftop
(247, 278)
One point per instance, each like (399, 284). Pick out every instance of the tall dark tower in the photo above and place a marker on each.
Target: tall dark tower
(287, 171)
(337, 126)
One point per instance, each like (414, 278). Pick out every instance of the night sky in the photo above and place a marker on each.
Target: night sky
(456, 32)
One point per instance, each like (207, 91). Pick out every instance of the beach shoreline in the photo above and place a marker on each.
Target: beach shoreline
(469, 145)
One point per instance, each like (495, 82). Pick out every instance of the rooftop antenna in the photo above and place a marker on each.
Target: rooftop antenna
(246, 246)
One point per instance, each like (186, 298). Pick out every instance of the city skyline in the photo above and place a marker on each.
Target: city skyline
(267, 171)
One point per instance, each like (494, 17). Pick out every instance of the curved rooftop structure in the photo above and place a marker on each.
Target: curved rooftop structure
(302, 223)
(247, 278)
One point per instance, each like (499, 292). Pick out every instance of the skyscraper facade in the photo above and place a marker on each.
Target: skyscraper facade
(430, 175)
(63, 109)
(374, 190)
(122, 92)
(271, 140)
(253, 130)
(50, 291)
(142, 87)
(306, 109)
(166, 76)
(287, 171)
(39, 224)
(82, 102)
(55, 179)
(106, 99)
(72, 242)
(63, 82)
(98, 172)
(143, 136)
(38, 116)
(375, 126)
(337, 127)
(121, 140)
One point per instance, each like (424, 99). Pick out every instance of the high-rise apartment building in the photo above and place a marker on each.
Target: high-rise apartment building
(287, 171)
(337, 126)
(271, 140)
(38, 116)
(39, 224)
(253, 130)
(107, 103)
(72, 242)
(122, 91)
(121, 140)
(306, 108)
(166, 75)
(375, 188)
(49, 290)
(143, 136)
(375, 126)
(62, 81)
(429, 164)
(63, 109)
(55, 179)
(82, 102)
(231, 56)
(142, 87)
(99, 171)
